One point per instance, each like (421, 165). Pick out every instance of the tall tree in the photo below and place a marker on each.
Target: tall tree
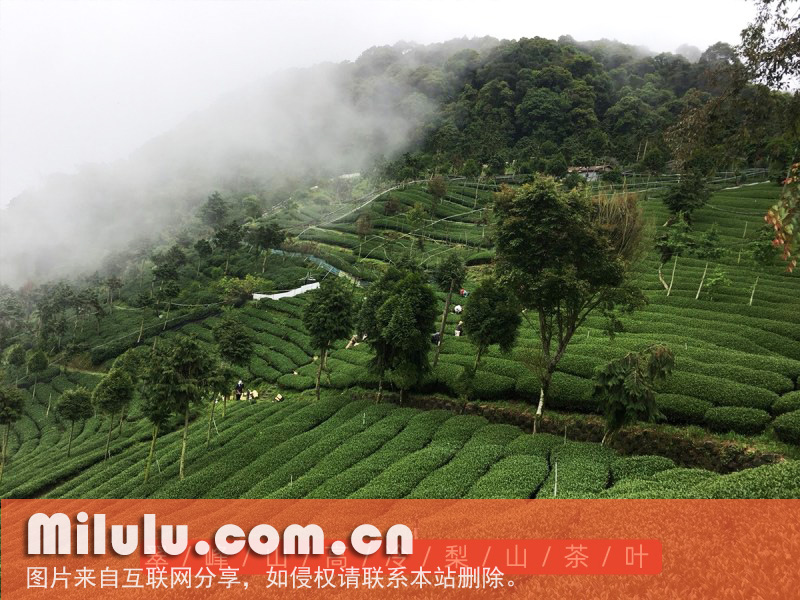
(114, 284)
(11, 402)
(112, 395)
(266, 236)
(397, 315)
(708, 248)
(182, 376)
(74, 405)
(686, 196)
(562, 262)
(492, 316)
(328, 317)
(228, 239)
(37, 363)
(437, 187)
(625, 388)
(672, 243)
(449, 275)
(156, 398)
(235, 344)
(215, 211)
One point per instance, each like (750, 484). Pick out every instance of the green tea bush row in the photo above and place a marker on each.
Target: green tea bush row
(739, 419)
(583, 470)
(416, 435)
(348, 453)
(682, 410)
(516, 476)
(787, 427)
(787, 403)
(639, 467)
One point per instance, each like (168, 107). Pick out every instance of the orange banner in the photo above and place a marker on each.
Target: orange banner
(454, 549)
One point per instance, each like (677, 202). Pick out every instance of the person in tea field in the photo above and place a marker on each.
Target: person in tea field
(239, 390)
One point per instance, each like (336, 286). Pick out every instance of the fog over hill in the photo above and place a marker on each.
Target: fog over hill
(322, 121)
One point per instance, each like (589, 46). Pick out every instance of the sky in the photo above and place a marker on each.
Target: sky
(89, 81)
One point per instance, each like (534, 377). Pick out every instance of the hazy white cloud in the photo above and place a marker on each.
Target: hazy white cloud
(89, 81)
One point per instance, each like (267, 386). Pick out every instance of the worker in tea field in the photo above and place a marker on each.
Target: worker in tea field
(239, 390)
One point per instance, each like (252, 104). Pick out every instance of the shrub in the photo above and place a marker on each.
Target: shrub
(787, 403)
(639, 467)
(740, 419)
(682, 410)
(682, 477)
(780, 480)
(787, 427)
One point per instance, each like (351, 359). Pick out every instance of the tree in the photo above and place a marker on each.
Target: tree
(11, 402)
(437, 187)
(156, 398)
(397, 315)
(181, 377)
(235, 292)
(363, 229)
(215, 211)
(114, 284)
(784, 217)
(112, 395)
(763, 252)
(132, 361)
(563, 262)
(689, 194)
(37, 362)
(625, 387)
(673, 243)
(491, 316)
(228, 239)
(265, 237)
(75, 404)
(449, 275)
(771, 43)
(234, 340)
(15, 358)
(416, 216)
(708, 248)
(328, 317)
(717, 282)
(165, 296)
(203, 249)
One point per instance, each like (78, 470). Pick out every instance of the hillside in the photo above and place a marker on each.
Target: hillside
(737, 368)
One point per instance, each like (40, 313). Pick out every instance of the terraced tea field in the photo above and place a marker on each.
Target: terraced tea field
(737, 370)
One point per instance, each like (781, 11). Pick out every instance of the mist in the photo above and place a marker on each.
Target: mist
(119, 118)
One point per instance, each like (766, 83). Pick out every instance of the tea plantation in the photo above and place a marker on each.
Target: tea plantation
(736, 379)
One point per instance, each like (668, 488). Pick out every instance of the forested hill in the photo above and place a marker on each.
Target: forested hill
(399, 112)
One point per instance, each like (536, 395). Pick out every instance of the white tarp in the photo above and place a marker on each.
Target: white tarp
(290, 293)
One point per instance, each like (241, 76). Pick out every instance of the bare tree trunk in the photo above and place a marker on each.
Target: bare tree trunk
(264, 263)
(323, 354)
(672, 278)
(211, 420)
(166, 318)
(49, 399)
(444, 322)
(121, 420)
(224, 406)
(110, 429)
(661, 276)
(753, 293)
(702, 281)
(69, 444)
(183, 440)
(478, 358)
(141, 331)
(227, 260)
(380, 388)
(150, 455)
